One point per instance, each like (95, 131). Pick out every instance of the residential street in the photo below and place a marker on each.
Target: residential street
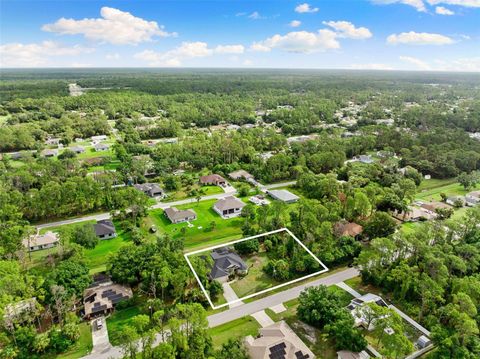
(248, 308)
(230, 191)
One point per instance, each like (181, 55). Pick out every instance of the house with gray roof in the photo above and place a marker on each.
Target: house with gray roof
(77, 149)
(150, 189)
(41, 241)
(49, 152)
(472, 198)
(105, 229)
(229, 207)
(101, 147)
(283, 195)
(226, 263)
(178, 216)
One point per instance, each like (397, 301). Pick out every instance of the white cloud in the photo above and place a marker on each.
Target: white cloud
(465, 3)
(255, 16)
(422, 65)
(306, 8)
(419, 38)
(348, 30)
(417, 4)
(80, 65)
(186, 50)
(247, 62)
(465, 64)
(229, 49)
(295, 23)
(115, 27)
(36, 54)
(112, 56)
(371, 67)
(440, 10)
(300, 42)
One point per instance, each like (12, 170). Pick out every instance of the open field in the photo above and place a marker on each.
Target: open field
(450, 189)
(184, 193)
(238, 328)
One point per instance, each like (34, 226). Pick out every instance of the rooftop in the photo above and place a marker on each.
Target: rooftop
(228, 203)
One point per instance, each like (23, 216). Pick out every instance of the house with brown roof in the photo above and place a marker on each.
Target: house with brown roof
(347, 229)
(229, 207)
(414, 214)
(41, 241)
(277, 341)
(433, 206)
(178, 216)
(239, 175)
(102, 297)
(213, 179)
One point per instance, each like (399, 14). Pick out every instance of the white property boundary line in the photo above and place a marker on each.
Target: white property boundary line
(186, 255)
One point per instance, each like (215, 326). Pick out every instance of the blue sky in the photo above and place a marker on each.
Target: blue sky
(354, 34)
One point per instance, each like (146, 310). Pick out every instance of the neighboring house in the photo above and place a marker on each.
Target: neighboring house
(433, 206)
(77, 149)
(283, 195)
(226, 263)
(49, 152)
(415, 214)
(452, 201)
(277, 341)
(240, 174)
(359, 311)
(150, 189)
(105, 229)
(101, 298)
(365, 159)
(347, 229)
(213, 179)
(229, 207)
(52, 141)
(345, 354)
(99, 138)
(259, 200)
(178, 216)
(101, 147)
(472, 198)
(20, 312)
(41, 241)
(423, 342)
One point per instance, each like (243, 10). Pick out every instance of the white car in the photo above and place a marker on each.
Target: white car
(99, 323)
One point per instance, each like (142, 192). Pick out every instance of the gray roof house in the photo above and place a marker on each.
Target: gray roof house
(283, 195)
(101, 147)
(177, 216)
(226, 263)
(365, 159)
(105, 229)
(229, 207)
(472, 198)
(77, 149)
(49, 152)
(41, 241)
(150, 189)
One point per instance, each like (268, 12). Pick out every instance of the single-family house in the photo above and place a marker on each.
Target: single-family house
(423, 342)
(102, 297)
(178, 216)
(359, 310)
(472, 198)
(41, 241)
(49, 152)
(77, 149)
(347, 229)
(104, 229)
(415, 214)
(346, 354)
(364, 159)
(226, 263)
(99, 138)
(52, 141)
(213, 179)
(239, 175)
(456, 201)
(99, 147)
(283, 195)
(150, 189)
(229, 207)
(277, 341)
(433, 206)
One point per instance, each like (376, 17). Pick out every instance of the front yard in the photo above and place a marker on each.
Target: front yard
(238, 328)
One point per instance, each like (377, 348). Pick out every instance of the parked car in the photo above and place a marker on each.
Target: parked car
(99, 323)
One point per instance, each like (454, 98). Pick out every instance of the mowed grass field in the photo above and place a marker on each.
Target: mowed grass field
(238, 328)
(201, 234)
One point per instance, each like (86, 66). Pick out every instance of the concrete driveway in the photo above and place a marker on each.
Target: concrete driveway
(100, 339)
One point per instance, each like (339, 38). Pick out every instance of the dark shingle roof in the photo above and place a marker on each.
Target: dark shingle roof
(223, 260)
(104, 227)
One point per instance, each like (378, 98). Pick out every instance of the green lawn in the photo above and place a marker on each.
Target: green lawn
(256, 279)
(238, 328)
(450, 189)
(185, 192)
(82, 347)
(435, 183)
(117, 321)
(196, 237)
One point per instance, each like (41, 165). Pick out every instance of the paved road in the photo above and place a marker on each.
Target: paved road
(275, 299)
(246, 309)
(229, 191)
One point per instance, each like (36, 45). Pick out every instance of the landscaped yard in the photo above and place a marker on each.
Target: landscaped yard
(433, 193)
(117, 321)
(201, 234)
(83, 346)
(184, 193)
(256, 279)
(238, 328)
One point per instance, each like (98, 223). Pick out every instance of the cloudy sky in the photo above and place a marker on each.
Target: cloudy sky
(353, 34)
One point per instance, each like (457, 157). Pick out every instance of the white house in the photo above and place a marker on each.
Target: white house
(41, 241)
(229, 207)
